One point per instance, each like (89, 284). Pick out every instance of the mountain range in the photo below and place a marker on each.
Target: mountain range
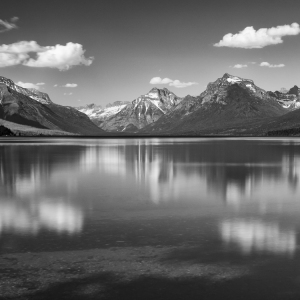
(230, 105)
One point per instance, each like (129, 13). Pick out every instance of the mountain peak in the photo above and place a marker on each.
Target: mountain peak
(294, 90)
(165, 89)
(226, 75)
(232, 79)
(155, 89)
(217, 91)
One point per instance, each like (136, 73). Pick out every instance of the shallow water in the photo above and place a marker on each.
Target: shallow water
(229, 202)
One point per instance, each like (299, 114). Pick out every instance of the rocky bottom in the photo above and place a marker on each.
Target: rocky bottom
(114, 273)
(157, 272)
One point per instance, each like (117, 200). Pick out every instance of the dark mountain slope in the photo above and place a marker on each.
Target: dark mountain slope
(288, 122)
(74, 120)
(4, 131)
(23, 109)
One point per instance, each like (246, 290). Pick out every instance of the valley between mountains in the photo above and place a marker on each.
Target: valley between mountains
(230, 106)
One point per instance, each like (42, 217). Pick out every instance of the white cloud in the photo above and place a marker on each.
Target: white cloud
(11, 59)
(29, 85)
(21, 47)
(250, 38)
(175, 83)
(178, 84)
(6, 26)
(166, 81)
(68, 94)
(70, 85)
(59, 56)
(156, 80)
(266, 64)
(240, 66)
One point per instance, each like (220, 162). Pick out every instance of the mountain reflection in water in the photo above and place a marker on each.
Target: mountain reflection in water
(53, 185)
(177, 171)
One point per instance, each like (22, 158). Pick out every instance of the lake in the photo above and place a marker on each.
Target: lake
(168, 218)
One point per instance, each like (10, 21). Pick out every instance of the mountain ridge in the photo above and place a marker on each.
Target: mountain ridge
(33, 108)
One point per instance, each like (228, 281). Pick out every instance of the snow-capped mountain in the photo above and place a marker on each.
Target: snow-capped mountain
(144, 110)
(228, 102)
(130, 117)
(217, 91)
(218, 88)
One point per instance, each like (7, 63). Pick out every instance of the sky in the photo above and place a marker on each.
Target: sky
(101, 51)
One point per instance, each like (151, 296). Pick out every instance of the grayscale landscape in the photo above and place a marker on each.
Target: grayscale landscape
(149, 150)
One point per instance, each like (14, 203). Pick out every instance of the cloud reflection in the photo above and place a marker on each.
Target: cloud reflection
(60, 217)
(258, 236)
(30, 219)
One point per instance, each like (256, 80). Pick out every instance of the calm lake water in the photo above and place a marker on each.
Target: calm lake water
(234, 202)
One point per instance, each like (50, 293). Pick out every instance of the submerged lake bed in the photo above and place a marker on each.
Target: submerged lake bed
(173, 218)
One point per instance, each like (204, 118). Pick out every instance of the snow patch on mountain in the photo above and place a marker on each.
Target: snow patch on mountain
(97, 114)
(234, 79)
(250, 86)
(108, 112)
(136, 102)
(156, 103)
(90, 112)
(152, 95)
